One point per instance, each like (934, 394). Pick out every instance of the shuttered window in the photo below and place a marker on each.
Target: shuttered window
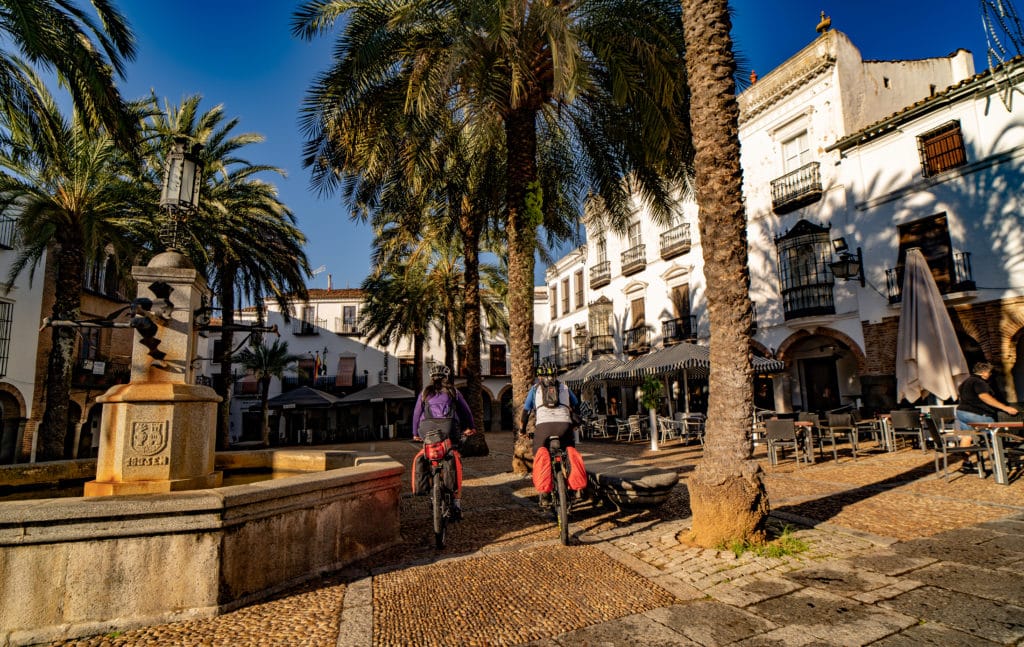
(942, 149)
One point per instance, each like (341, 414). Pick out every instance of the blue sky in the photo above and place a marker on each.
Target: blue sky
(240, 53)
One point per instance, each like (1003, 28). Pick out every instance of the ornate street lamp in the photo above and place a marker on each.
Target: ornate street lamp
(180, 194)
(849, 266)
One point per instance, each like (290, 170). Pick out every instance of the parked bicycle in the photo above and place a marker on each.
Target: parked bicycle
(437, 449)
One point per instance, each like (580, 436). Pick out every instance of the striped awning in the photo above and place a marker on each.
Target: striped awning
(694, 358)
(578, 376)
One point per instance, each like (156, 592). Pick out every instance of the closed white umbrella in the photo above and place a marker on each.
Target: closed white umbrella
(928, 355)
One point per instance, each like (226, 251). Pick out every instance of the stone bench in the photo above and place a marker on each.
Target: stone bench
(625, 484)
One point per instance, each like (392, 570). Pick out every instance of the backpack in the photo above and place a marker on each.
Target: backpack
(436, 430)
(549, 394)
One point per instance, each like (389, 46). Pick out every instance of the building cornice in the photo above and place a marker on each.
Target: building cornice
(805, 66)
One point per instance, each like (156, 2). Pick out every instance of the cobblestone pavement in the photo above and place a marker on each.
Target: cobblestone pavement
(895, 556)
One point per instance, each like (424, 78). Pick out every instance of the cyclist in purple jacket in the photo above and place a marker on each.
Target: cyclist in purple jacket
(441, 403)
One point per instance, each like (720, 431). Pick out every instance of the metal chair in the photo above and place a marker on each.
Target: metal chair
(781, 434)
(621, 429)
(667, 428)
(907, 422)
(693, 424)
(840, 424)
(949, 443)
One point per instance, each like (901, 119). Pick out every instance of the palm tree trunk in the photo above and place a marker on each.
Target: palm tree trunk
(265, 410)
(521, 230)
(470, 228)
(418, 340)
(53, 427)
(727, 494)
(227, 303)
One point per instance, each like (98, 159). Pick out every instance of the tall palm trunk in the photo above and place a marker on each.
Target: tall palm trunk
(67, 304)
(265, 410)
(727, 495)
(226, 296)
(470, 227)
(521, 230)
(418, 341)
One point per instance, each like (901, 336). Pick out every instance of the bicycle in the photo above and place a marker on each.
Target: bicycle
(560, 468)
(438, 452)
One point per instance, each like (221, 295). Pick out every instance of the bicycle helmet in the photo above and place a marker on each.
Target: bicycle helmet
(546, 370)
(439, 371)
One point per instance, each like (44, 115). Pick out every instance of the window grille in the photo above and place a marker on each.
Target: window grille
(804, 255)
(6, 320)
(942, 149)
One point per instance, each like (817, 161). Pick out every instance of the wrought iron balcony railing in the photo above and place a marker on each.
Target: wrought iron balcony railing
(343, 327)
(311, 327)
(962, 278)
(636, 340)
(796, 189)
(600, 274)
(634, 260)
(602, 344)
(675, 241)
(674, 331)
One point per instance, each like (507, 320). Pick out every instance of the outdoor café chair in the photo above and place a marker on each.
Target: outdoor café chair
(668, 429)
(907, 422)
(781, 434)
(636, 427)
(693, 424)
(621, 429)
(840, 424)
(944, 417)
(949, 443)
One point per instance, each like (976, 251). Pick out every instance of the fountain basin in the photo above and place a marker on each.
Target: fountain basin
(73, 567)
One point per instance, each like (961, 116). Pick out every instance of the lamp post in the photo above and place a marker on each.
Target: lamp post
(180, 194)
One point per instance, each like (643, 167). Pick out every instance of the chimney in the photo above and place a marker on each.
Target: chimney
(328, 281)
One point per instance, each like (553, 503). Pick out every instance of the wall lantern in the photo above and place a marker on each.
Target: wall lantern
(850, 266)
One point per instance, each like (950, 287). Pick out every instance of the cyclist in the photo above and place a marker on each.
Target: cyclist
(556, 413)
(440, 405)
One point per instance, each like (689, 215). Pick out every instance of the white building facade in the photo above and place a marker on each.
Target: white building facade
(832, 148)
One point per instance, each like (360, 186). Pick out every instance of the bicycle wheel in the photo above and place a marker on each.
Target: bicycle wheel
(563, 506)
(440, 514)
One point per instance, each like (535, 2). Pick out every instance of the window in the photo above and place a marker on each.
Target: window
(565, 295)
(498, 366)
(600, 317)
(578, 278)
(796, 151)
(89, 348)
(7, 232)
(636, 308)
(931, 236)
(6, 320)
(602, 250)
(942, 149)
(554, 301)
(635, 238)
(681, 301)
(806, 280)
(348, 319)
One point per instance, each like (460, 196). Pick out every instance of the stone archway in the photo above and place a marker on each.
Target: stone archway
(507, 413)
(12, 419)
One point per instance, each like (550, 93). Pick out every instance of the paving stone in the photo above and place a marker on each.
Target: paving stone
(996, 621)
(890, 563)
(711, 623)
(840, 578)
(1007, 542)
(639, 630)
(972, 535)
(785, 637)
(982, 582)
(829, 617)
(964, 553)
(897, 588)
(743, 593)
(1006, 526)
(932, 634)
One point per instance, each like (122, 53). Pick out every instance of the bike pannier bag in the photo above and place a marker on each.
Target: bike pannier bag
(577, 473)
(542, 471)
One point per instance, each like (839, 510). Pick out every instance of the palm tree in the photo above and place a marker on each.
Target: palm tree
(727, 495)
(605, 75)
(243, 237)
(69, 191)
(85, 53)
(266, 362)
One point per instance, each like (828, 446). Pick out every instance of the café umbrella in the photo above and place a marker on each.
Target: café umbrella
(928, 355)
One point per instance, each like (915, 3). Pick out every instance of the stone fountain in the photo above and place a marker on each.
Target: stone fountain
(154, 540)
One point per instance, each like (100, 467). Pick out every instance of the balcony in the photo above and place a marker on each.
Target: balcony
(962, 278)
(674, 331)
(797, 189)
(675, 241)
(602, 344)
(813, 300)
(566, 359)
(311, 327)
(343, 327)
(636, 340)
(634, 260)
(600, 274)
(100, 373)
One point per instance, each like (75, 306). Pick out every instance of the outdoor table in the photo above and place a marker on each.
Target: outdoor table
(997, 430)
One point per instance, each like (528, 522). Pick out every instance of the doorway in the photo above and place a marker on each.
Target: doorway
(821, 384)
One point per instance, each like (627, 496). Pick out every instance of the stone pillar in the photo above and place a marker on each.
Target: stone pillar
(158, 431)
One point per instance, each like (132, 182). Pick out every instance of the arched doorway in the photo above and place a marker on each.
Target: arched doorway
(507, 413)
(822, 374)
